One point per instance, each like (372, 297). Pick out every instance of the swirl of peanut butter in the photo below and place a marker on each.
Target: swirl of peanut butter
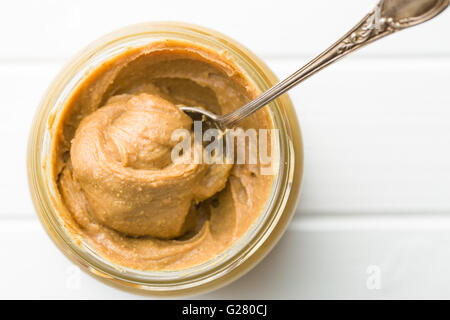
(120, 191)
(121, 156)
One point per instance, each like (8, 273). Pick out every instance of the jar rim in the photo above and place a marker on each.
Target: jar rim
(286, 185)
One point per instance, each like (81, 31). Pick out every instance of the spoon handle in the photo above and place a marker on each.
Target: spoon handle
(386, 18)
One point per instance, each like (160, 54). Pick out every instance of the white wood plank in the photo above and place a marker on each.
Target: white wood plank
(22, 87)
(376, 135)
(345, 258)
(58, 29)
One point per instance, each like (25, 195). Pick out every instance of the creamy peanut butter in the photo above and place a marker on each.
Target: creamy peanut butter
(122, 193)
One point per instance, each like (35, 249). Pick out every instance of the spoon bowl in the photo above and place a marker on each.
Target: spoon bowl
(208, 119)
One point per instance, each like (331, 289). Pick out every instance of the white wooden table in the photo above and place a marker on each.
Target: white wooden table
(373, 220)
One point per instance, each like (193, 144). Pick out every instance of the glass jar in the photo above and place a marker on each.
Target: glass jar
(242, 255)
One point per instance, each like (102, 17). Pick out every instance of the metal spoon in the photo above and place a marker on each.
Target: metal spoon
(388, 17)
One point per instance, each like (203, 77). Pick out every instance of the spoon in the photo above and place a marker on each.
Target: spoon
(388, 17)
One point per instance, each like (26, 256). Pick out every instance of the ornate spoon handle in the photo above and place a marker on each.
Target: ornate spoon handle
(387, 17)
